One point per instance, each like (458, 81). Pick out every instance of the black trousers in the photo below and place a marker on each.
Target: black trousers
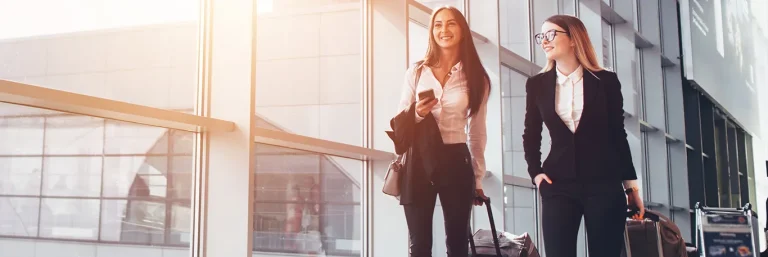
(455, 184)
(603, 206)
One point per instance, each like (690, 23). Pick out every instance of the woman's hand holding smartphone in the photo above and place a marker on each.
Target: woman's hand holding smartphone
(426, 101)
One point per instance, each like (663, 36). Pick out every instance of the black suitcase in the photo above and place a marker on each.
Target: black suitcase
(510, 246)
(487, 203)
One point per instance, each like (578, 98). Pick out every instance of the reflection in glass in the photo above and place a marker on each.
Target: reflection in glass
(72, 176)
(100, 180)
(181, 222)
(181, 171)
(20, 175)
(306, 203)
(18, 216)
(133, 221)
(69, 218)
(135, 176)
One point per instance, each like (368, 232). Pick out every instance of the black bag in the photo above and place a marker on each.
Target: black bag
(485, 243)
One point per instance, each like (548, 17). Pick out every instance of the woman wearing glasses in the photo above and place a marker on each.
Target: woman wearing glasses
(588, 172)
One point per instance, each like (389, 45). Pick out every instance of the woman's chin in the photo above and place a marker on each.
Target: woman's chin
(448, 45)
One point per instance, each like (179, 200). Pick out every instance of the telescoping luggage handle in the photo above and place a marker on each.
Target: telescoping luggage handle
(487, 203)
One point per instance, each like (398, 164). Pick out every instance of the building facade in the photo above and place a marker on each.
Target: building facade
(310, 86)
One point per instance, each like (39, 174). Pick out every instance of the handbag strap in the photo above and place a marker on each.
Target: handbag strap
(400, 158)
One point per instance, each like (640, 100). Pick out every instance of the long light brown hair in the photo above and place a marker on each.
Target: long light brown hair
(478, 81)
(583, 49)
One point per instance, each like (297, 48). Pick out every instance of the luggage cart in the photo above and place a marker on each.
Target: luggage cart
(726, 232)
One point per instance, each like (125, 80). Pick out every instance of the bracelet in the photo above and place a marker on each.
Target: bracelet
(631, 189)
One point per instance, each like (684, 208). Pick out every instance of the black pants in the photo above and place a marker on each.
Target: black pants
(603, 207)
(454, 183)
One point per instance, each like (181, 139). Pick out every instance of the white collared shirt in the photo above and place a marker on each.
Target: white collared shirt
(451, 112)
(569, 102)
(569, 97)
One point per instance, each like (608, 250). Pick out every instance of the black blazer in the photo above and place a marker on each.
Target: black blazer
(598, 150)
(421, 142)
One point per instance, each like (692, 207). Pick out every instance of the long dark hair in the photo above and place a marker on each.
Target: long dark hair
(478, 82)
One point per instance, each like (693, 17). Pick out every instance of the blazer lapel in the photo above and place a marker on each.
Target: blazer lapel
(550, 82)
(591, 89)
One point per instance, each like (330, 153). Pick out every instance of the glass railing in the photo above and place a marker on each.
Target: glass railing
(75, 182)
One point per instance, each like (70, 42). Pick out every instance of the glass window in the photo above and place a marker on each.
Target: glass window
(72, 176)
(19, 216)
(513, 116)
(142, 52)
(434, 4)
(520, 203)
(542, 9)
(645, 174)
(309, 81)
(418, 41)
(567, 7)
(636, 9)
(92, 180)
(515, 27)
(20, 175)
(306, 203)
(69, 218)
(639, 87)
(607, 45)
(721, 158)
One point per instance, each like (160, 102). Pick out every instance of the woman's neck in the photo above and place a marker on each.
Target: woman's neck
(449, 58)
(567, 65)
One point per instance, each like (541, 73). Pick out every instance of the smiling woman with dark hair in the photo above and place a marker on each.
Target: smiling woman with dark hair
(443, 110)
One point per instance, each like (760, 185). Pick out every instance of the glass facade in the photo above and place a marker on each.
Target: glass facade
(309, 81)
(118, 50)
(74, 178)
(306, 203)
(325, 78)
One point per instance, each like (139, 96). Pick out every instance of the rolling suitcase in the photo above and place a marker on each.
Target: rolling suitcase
(654, 236)
(503, 245)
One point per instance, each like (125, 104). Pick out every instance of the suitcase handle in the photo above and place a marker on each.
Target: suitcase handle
(487, 203)
(648, 215)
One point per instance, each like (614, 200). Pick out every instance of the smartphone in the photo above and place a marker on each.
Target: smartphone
(429, 93)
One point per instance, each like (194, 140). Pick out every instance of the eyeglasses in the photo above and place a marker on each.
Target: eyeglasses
(549, 35)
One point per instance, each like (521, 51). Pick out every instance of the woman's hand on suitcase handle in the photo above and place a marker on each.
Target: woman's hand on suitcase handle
(541, 177)
(635, 202)
(480, 197)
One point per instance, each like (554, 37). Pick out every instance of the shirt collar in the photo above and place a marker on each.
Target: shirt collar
(574, 76)
(455, 68)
